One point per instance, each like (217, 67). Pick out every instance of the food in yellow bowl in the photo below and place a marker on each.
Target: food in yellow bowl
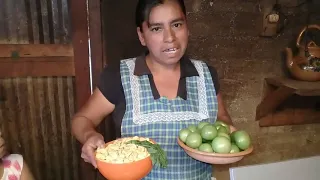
(130, 158)
(120, 151)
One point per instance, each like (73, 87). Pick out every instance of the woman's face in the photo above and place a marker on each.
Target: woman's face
(166, 33)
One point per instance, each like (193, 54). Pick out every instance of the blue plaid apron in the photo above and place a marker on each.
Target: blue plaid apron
(161, 119)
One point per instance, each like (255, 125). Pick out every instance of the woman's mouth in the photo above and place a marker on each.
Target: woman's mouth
(171, 50)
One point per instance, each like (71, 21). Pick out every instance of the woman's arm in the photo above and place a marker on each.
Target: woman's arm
(223, 114)
(26, 173)
(90, 115)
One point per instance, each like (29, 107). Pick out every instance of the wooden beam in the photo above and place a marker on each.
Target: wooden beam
(79, 19)
(37, 67)
(35, 50)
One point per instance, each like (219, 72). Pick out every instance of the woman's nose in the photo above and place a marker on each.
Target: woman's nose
(169, 35)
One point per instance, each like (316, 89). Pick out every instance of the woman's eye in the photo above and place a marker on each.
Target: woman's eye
(177, 25)
(155, 29)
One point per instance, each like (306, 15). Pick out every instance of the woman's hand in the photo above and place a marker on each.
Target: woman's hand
(223, 114)
(3, 149)
(94, 141)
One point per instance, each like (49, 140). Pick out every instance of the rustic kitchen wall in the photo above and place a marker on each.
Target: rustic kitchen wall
(225, 33)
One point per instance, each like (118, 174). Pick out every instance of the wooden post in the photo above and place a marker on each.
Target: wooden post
(81, 50)
(96, 40)
(82, 72)
(98, 60)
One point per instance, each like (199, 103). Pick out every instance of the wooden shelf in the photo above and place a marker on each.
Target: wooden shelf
(278, 90)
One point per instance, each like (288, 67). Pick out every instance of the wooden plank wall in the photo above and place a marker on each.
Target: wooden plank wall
(35, 111)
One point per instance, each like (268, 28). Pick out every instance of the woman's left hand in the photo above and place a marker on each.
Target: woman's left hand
(3, 149)
(223, 114)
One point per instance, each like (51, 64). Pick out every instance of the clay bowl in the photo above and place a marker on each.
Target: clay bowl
(126, 171)
(215, 158)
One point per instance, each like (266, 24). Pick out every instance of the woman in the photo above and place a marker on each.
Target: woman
(157, 94)
(12, 166)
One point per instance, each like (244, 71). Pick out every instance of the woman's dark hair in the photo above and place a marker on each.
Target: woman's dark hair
(144, 8)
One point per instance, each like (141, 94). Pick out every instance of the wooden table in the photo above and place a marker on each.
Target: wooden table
(287, 101)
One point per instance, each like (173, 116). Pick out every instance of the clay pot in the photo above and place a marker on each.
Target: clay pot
(294, 63)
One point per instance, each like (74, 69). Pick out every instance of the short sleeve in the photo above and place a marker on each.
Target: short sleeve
(13, 165)
(110, 83)
(215, 79)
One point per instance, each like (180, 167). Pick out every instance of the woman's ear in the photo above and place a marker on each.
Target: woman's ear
(141, 37)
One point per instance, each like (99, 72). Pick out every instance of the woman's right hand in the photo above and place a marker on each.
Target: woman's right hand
(92, 143)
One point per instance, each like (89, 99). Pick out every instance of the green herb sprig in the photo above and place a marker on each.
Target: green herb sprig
(158, 156)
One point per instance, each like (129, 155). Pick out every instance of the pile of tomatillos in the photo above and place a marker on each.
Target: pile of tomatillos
(215, 138)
